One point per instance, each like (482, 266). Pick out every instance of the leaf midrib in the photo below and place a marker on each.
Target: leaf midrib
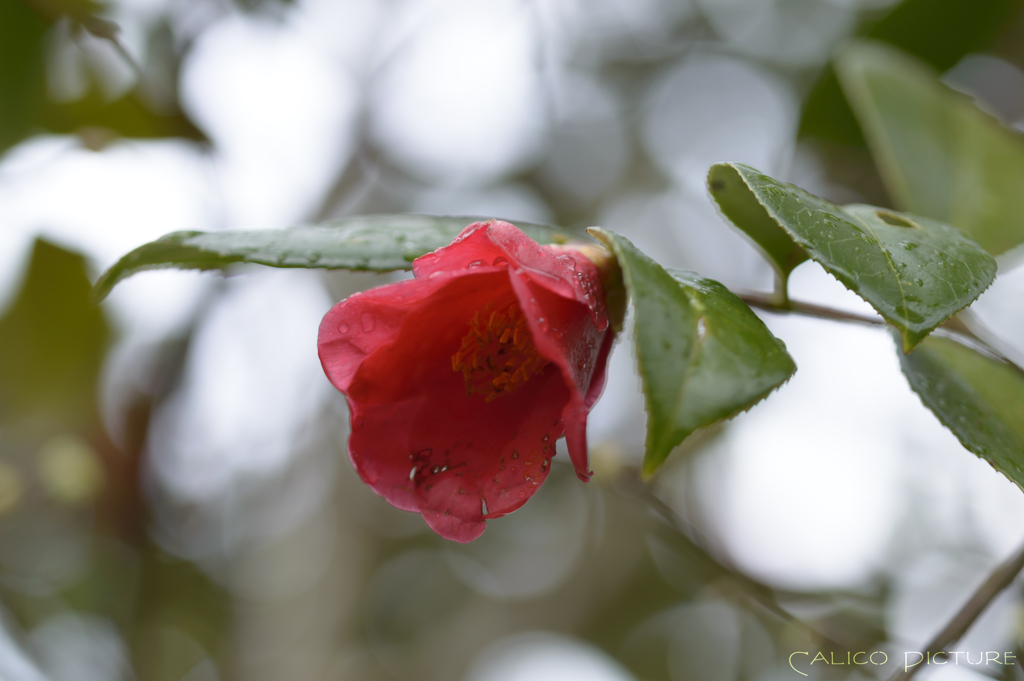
(698, 343)
(890, 262)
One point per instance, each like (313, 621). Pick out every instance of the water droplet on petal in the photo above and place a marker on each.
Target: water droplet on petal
(343, 328)
(500, 260)
(477, 263)
(435, 469)
(522, 495)
(515, 454)
(412, 473)
(546, 437)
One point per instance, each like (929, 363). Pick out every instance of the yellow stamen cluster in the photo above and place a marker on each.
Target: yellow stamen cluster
(497, 354)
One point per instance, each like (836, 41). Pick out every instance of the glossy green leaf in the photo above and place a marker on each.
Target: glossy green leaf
(914, 271)
(744, 210)
(379, 243)
(939, 154)
(703, 354)
(980, 399)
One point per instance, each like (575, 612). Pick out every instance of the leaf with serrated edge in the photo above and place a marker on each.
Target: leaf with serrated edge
(743, 209)
(980, 399)
(378, 243)
(703, 354)
(914, 271)
(939, 154)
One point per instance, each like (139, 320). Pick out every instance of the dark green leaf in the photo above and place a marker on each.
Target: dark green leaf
(914, 271)
(940, 155)
(980, 399)
(25, 106)
(52, 343)
(941, 32)
(703, 354)
(379, 243)
(22, 70)
(742, 207)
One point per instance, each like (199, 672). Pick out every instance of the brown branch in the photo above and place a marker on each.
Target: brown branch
(770, 304)
(1000, 578)
(754, 591)
(953, 328)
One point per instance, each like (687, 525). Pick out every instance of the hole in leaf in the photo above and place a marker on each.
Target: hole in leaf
(895, 220)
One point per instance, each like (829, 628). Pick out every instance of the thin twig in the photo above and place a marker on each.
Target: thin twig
(756, 592)
(953, 328)
(769, 304)
(1000, 578)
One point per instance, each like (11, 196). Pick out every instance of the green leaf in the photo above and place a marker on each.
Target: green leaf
(744, 210)
(940, 155)
(980, 399)
(379, 243)
(52, 343)
(941, 32)
(914, 271)
(703, 354)
(25, 105)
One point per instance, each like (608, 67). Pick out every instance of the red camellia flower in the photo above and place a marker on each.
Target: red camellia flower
(460, 380)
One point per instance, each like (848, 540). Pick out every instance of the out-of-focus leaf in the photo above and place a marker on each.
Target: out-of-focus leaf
(52, 342)
(980, 399)
(22, 70)
(744, 210)
(379, 243)
(125, 116)
(25, 106)
(914, 271)
(939, 155)
(175, 595)
(941, 32)
(703, 354)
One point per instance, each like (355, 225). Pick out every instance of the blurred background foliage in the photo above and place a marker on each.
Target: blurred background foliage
(175, 499)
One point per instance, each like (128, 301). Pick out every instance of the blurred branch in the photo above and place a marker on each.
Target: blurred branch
(757, 592)
(1000, 578)
(953, 328)
(82, 13)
